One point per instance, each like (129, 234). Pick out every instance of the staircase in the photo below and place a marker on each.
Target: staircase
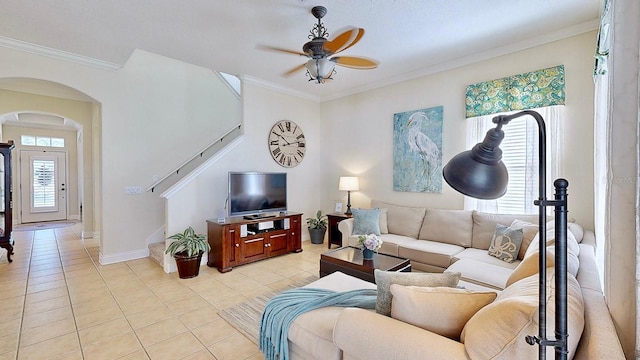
(173, 181)
(195, 161)
(156, 252)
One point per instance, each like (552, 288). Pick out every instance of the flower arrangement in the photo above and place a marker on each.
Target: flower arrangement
(370, 242)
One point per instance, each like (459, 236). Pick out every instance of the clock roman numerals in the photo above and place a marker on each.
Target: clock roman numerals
(287, 143)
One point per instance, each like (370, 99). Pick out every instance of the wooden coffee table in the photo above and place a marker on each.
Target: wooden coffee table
(349, 260)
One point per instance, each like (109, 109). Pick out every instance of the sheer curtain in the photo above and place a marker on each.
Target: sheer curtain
(521, 137)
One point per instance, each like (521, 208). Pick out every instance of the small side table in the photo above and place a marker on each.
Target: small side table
(335, 236)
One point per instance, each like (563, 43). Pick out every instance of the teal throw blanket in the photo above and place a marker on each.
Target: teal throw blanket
(283, 309)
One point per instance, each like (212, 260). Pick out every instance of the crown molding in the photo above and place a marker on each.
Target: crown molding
(275, 87)
(471, 59)
(57, 54)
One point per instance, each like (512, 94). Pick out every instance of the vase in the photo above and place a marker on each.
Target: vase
(367, 254)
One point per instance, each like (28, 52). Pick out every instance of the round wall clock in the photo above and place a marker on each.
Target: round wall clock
(287, 144)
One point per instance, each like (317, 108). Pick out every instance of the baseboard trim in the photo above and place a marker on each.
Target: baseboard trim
(90, 235)
(123, 256)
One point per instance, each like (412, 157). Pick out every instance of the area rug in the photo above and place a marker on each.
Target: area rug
(44, 225)
(245, 316)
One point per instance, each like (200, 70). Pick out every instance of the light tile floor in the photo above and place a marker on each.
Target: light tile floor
(58, 302)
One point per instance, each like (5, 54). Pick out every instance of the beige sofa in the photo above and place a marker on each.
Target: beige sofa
(457, 241)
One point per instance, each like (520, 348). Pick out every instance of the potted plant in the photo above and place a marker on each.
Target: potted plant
(317, 227)
(187, 250)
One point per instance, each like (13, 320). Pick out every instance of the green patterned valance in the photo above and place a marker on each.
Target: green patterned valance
(519, 92)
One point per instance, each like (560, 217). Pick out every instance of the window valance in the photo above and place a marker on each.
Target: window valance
(530, 90)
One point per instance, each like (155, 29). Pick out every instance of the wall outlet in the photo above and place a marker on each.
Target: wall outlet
(132, 190)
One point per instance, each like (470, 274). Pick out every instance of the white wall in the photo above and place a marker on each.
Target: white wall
(359, 128)
(153, 114)
(262, 108)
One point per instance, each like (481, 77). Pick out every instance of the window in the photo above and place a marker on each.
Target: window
(520, 156)
(30, 140)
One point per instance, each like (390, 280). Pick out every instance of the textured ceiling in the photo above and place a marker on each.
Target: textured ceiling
(408, 37)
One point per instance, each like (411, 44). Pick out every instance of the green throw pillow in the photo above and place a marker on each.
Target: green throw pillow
(384, 279)
(366, 222)
(506, 243)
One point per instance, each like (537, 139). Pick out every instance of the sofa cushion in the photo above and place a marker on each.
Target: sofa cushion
(366, 221)
(498, 330)
(402, 220)
(572, 243)
(483, 256)
(442, 310)
(484, 225)
(384, 279)
(312, 332)
(481, 273)
(506, 243)
(447, 226)
(429, 252)
(529, 231)
(529, 266)
(577, 230)
(390, 243)
(384, 228)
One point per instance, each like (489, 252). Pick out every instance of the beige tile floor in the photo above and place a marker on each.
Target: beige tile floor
(58, 302)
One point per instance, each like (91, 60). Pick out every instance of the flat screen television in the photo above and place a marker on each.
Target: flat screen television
(257, 193)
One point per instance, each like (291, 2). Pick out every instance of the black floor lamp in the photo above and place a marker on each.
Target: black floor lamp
(480, 173)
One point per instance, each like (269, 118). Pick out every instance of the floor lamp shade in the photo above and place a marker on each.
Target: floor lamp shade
(480, 172)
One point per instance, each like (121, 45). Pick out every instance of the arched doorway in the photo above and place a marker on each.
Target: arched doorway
(49, 111)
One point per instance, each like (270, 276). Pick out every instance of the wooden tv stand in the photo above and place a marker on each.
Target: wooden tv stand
(240, 241)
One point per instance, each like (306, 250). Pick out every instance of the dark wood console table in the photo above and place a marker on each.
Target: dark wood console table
(239, 241)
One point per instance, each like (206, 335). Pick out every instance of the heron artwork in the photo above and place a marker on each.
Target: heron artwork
(418, 154)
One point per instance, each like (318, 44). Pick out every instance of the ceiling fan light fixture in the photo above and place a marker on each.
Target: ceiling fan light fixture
(322, 53)
(320, 69)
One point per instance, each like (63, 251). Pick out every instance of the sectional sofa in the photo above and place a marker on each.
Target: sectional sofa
(457, 242)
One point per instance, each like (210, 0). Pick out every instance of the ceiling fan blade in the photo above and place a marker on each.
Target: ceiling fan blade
(294, 70)
(282, 50)
(344, 41)
(355, 62)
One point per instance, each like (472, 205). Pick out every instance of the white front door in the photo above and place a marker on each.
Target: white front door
(43, 191)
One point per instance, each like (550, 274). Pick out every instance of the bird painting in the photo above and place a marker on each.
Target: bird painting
(418, 150)
(421, 144)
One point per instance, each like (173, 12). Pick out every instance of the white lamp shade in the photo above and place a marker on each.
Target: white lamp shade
(349, 183)
(324, 67)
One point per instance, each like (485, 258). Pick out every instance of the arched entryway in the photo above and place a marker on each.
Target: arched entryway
(43, 112)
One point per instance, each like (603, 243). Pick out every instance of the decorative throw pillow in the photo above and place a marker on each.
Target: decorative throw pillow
(529, 231)
(366, 222)
(384, 279)
(506, 243)
(384, 228)
(442, 310)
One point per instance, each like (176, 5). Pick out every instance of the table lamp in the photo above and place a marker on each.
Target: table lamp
(349, 184)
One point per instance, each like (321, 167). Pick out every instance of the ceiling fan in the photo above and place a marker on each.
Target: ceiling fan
(320, 51)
